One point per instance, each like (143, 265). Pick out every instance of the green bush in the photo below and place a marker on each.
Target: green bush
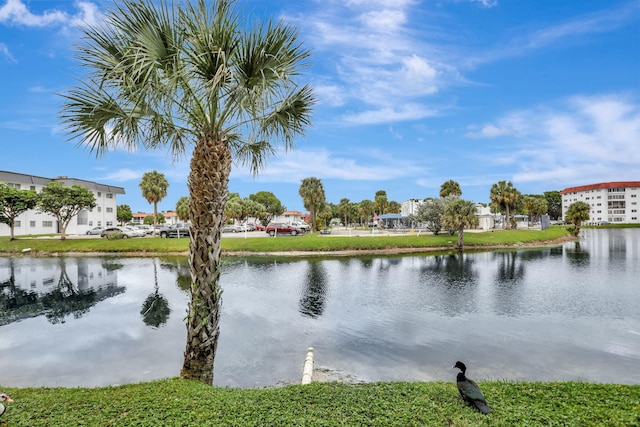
(114, 235)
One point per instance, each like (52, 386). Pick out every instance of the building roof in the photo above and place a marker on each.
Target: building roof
(602, 186)
(15, 177)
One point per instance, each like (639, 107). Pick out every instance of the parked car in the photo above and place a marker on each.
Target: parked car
(234, 228)
(302, 226)
(136, 231)
(126, 232)
(281, 228)
(174, 230)
(95, 231)
(325, 231)
(146, 228)
(260, 227)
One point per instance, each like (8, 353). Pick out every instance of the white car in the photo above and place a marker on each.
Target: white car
(302, 226)
(136, 231)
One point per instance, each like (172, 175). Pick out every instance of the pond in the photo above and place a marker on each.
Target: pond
(566, 313)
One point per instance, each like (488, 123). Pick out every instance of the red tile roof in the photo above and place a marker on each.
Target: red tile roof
(602, 185)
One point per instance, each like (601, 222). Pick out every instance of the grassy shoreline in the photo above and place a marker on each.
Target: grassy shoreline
(188, 403)
(175, 402)
(309, 245)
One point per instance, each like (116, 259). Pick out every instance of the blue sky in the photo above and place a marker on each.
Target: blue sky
(545, 93)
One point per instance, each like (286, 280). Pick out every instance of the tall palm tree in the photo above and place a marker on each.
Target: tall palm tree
(459, 214)
(154, 187)
(504, 196)
(450, 188)
(367, 209)
(381, 201)
(312, 193)
(576, 213)
(192, 77)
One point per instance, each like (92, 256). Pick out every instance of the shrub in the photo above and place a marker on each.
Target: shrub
(114, 235)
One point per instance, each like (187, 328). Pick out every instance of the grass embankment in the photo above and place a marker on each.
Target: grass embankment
(175, 402)
(308, 243)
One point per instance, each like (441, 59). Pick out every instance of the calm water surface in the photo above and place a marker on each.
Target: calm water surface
(563, 313)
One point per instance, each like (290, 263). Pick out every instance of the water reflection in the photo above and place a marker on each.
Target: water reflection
(562, 313)
(313, 297)
(54, 289)
(155, 309)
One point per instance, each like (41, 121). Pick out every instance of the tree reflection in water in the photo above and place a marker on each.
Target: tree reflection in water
(313, 298)
(155, 309)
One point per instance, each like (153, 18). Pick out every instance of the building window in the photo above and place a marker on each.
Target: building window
(16, 186)
(32, 224)
(109, 210)
(99, 208)
(32, 188)
(109, 196)
(109, 223)
(16, 224)
(82, 221)
(633, 195)
(99, 223)
(47, 224)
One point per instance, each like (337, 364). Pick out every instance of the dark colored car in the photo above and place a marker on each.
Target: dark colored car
(174, 230)
(281, 228)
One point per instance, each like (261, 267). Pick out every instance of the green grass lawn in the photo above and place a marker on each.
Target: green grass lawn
(175, 402)
(308, 243)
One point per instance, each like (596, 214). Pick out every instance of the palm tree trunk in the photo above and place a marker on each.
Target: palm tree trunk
(507, 221)
(155, 218)
(208, 190)
(460, 238)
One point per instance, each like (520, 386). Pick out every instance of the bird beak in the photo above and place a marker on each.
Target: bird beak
(8, 399)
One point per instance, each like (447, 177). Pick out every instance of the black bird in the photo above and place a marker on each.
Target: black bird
(4, 398)
(470, 391)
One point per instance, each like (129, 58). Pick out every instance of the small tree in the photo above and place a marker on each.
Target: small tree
(430, 212)
(577, 212)
(64, 202)
(182, 209)
(313, 196)
(459, 214)
(154, 188)
(271, 203)
(123, 214)
(13, 203)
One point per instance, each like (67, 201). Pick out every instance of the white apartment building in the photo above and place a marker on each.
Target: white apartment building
(613, 202)
(33, 222)
(410, 207)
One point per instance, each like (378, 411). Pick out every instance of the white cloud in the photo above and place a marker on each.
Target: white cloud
(390, 114)
(15, 12)
(580, 139)
(296, 165)
(554, 35)
(122, 175)
(379, 62)
(384, 20)
(4, 51)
